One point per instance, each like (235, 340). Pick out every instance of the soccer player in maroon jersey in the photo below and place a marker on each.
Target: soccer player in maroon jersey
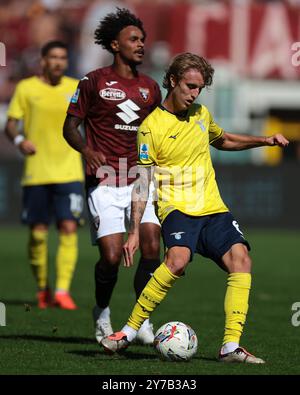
(112, 102)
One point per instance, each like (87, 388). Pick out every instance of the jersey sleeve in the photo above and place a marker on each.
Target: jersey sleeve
(215, 131)
(145, 146)
(80, 101)
(157, 97)
(17, 105)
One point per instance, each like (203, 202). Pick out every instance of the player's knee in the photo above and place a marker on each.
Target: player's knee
(38, 236)
(241, 262)
(246, 262)
(177, 259)
(150, 241)
(39, 228)
(111, 258)
(177, 265)
(151, 249)
(243, 259)
(67, 227)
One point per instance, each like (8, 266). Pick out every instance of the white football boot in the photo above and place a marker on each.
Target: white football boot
(145, 335)
(116, 342)
(102, 324)
(239, 355)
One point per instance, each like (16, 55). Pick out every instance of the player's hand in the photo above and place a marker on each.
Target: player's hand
(27, 147)
(277, 139)
(94, 158)
(129, 248)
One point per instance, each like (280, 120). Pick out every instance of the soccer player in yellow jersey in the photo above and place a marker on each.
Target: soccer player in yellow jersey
(53, 175)
(175, 138)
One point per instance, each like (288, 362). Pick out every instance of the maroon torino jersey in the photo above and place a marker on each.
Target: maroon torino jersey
(112, 108)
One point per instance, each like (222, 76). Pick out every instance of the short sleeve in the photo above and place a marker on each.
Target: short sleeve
(215, 131)
(80, 101)
(17, 105)
(157, 96)
(145, 146)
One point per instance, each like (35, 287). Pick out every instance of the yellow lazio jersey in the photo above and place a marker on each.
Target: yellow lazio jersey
(179, 150)
(42, 107)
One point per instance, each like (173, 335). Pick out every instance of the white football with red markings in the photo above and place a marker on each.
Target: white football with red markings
(176, 341)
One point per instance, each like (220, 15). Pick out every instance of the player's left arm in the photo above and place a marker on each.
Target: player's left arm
(238, 142)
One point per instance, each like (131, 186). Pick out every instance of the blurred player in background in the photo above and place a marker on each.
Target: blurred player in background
(176, 138)
(53, 174)
(112, 102)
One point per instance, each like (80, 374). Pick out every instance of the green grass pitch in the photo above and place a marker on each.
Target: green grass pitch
(62, 342)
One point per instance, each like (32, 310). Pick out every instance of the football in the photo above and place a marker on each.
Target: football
(175, 341)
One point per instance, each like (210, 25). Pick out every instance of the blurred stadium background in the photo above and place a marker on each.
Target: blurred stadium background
(254, 47)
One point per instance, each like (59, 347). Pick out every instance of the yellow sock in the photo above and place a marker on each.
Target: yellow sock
(38, 256)
(236, 305)
(151, 296)
(66, 259)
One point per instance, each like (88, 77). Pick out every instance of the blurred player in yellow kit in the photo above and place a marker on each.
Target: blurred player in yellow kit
(53, 175)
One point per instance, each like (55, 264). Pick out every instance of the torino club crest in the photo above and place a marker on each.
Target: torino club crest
(145, 93)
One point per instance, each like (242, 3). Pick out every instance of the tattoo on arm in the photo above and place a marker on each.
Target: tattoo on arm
(139, 196)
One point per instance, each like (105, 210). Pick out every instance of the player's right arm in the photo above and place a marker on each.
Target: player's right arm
(17, 109)
(145, 164)
(77, 112)
(72, 135)
(11, 130)
(139, 198)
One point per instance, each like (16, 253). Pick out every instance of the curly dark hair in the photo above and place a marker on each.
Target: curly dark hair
(184, 62)
(111, 25)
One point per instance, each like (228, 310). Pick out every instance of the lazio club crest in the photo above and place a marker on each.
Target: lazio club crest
(145, 93)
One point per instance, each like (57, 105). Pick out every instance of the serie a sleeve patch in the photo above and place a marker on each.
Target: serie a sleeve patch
(144, 151)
